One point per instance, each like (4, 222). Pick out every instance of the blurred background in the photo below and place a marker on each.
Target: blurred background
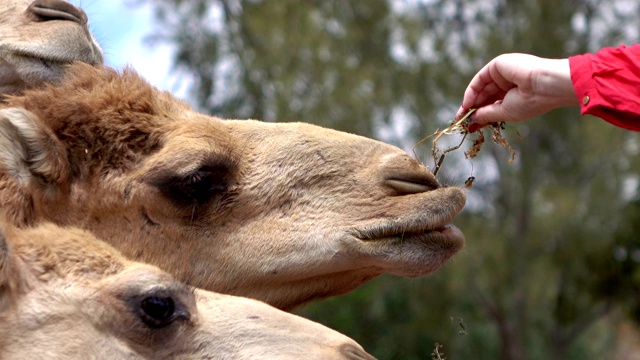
(551, 269)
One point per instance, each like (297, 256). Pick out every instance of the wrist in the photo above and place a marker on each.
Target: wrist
(554, 81)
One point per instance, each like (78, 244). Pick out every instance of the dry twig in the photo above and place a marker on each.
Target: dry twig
(461, 126)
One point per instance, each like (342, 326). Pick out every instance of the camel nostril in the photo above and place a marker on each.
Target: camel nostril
(407, 184)
(401, 174)
(407, 188)
(46, 10)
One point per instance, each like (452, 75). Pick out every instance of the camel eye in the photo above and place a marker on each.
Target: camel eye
(158, 311)
(197, 187)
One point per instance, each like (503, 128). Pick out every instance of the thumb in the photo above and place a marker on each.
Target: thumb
(491, 114)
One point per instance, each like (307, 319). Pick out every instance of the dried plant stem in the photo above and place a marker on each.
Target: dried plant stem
(461, 126)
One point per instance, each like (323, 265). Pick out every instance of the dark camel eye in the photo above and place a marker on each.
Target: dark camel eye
(198, 187)
(157, 311)
(201, 185)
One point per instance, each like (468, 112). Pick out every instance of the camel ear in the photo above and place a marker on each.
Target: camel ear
(29, 151)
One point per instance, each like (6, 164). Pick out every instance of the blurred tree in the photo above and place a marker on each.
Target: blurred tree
(541, 272)
(314, 60)
(616, 278)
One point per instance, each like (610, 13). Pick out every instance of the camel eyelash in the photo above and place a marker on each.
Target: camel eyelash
(196, 188)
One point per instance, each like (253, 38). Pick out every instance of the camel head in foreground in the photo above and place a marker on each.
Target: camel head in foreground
(38, 39)
(280, 212)
(66, 295)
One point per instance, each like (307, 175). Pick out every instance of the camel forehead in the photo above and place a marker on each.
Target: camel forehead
(74, 260)
(104, 100)
(139, 278)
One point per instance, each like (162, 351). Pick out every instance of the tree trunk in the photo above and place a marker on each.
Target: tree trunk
(510, 335)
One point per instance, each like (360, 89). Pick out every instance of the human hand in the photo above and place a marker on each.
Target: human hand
(516, 87)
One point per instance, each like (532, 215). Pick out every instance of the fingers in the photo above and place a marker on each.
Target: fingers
(461, 112)
(490, 94)
(482, 116)
(487, 86)
(491, 114)
(494, 83)
(485, 115)
(476, 88)
(473, 127)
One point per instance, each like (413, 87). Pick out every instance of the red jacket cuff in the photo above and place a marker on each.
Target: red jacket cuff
(607, 85)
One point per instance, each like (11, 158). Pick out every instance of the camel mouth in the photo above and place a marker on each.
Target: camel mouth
(409, 250)
(446, 236)
(47, 61)
(425, 225)
(53, 60)
(33, 58)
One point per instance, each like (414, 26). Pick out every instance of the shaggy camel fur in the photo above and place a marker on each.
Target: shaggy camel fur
(38, 39)
(66, 295)
(283, 213)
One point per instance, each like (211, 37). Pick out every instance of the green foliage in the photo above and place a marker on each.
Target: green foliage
(542, 267)
(381, 313)
(616, 278)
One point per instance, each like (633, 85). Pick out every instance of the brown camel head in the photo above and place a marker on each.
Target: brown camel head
(284, 212)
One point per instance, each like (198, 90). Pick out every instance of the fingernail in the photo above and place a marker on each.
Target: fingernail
(459, 113)
(473, 127)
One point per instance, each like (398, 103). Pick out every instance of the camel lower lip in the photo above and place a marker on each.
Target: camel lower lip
(452, 234)
(447, 229)
(447, 234)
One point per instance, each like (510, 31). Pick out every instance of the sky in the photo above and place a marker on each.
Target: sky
(121, 26)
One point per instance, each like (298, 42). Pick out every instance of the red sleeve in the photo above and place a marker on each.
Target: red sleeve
(607, 84)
